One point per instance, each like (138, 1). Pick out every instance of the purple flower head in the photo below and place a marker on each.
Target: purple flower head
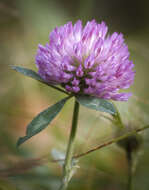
(87, 61)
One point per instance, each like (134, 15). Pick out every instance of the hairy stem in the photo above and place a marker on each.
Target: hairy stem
(67, 170)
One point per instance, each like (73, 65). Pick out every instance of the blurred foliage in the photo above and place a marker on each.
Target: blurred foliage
(23, 25)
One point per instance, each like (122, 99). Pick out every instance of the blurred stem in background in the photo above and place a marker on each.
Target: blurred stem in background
(130, 161)
(68, 166)
(131, 145)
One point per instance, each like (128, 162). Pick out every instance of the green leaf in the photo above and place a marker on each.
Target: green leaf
(34, 75)
(28, 72)
(96, 104)
(42, 120)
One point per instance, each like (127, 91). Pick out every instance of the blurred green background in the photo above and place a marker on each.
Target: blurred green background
(23, 25)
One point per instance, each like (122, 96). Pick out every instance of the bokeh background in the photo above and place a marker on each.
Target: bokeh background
(23, 25)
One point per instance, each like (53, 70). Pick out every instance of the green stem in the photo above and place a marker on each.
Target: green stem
(67, 170)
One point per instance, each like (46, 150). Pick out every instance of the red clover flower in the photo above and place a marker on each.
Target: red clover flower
(87, 61)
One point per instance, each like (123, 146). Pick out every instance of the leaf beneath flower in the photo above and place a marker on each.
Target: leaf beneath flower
(42, 120)
(28, 72)
(96, 104)
(32, 74)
